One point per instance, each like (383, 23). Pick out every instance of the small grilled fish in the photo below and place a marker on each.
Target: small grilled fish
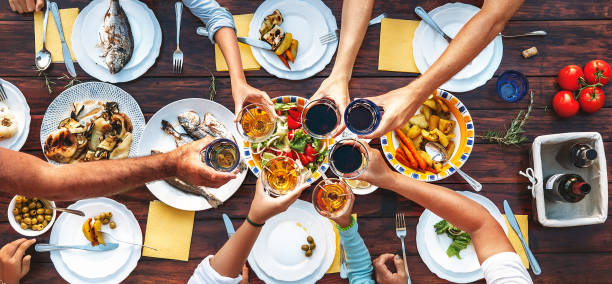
(179, 138)
(188, 188)
(116, 38)
(215, 126)
(190, 121)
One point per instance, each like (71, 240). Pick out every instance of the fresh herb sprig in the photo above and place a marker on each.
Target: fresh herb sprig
(514, 134)
(48, 82)
(71, 81)
(460, 238)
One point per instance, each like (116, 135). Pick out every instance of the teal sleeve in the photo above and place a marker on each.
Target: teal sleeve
(358, 258)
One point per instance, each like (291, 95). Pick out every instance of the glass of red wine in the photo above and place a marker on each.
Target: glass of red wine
(321, 118)
(362, 116)
(348, 158)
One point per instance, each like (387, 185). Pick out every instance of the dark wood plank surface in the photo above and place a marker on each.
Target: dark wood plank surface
(578, 32)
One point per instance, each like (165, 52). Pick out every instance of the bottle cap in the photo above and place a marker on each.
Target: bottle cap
(591, 154)
(581, 188)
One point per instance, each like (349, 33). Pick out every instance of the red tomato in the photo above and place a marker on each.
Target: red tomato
(303, 159)
(591, 99)
(568, 77)
(565, 105)
(308, 150)
(295, 114)
(292, 124)
(597, 70)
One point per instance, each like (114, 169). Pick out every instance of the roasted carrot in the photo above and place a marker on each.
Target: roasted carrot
(284, 60)
(411, 149)
(432, 170)
(407, 157)
(402, 160)
(289, 55)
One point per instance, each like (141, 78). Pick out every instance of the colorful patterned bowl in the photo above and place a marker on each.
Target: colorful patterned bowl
(253, 161)
(464, 132)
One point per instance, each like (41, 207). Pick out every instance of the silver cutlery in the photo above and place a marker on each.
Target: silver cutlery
(3, 96)
(177, 57)
(107, 235)
(89, 247)
(246, 40)
(333, 36)
(535, 266)
(343, 268)
(435, 150)
(71, 211)
(65, 49)
(534, 33)
(400, 231)
(229, 227)
(423, 14)
(43, 56)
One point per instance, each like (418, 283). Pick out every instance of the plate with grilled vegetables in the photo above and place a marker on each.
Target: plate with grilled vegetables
(443, 120)
(91, 266)
(89, 122)
(293, 29)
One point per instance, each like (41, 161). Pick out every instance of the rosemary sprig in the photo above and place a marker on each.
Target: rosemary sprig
(71, 80)
(212, 89)
(514, 133)
(48, 82)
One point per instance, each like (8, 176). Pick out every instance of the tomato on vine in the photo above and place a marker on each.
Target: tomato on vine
(569, 77)
(597, 71)
(591, 99)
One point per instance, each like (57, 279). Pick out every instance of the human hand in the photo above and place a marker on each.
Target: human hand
(343, 220)
(384, 275)
(191, 169)
(26, 6)
(378, 172)
(399, 106)
(244, 93)
(335, 89)
(13, 265)
(265, 206)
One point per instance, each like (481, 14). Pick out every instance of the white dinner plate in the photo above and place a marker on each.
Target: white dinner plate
(429, 46)
(80, 266)
(432, 247)
(61, 107)
(156, 139)
(306, 20)
(146, 32)
(329, 238)
(17, 103)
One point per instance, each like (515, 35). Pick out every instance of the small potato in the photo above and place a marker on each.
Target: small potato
(430, 103)
(308, 253)
(433, 122)
(441, 137)
(40, 211)
(414, 131)
(16, 211)
(451, 148)
(40, 218)
(446, 126)
(443, 105)
(429, 136)
(417, 141)
(426, 157)
(48, 218)
(24, 225)
(112, 225)
(437, 166)
(305, 247)
(419, 120)
(426, 111)
(48, 211)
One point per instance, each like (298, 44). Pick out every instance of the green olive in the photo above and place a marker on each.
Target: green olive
(109, 214)
(48, 211)
(305, 247)
(32, 212)
(112, 225)
(25, 209)
(18, 205)
(105, 221)
(15, 211)
(310, 239)
(39, 205)
(25, 215)
(18, 218)
(40, 218)
(24, 226)
(313, 246)
(28, 221)
(33, 221)
(308, 253)
(45, 223)
(48, 218)
(18, 199)
(32, 205)
(35, 199)
(40, 211)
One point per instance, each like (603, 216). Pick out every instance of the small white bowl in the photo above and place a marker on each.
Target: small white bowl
(28, 233)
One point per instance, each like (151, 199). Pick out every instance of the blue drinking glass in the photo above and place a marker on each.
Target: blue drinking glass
(512, 86)
(210, 155)
(366, 122)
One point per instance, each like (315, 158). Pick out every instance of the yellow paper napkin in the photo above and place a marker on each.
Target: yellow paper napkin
(53, 43)
(242, 23)
(335, 266)
(522, 221)
(395, 52)
(169, 231)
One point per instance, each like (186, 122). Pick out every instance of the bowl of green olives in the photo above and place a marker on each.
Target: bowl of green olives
(31, 216)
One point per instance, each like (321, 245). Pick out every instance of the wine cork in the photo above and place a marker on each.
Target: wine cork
(530, 52)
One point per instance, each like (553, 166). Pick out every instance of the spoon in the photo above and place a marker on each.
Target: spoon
(430, 21)
(438, 154)
(71, 211)
(43, 57)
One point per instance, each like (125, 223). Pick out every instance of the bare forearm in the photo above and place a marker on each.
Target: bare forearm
(226, 39)
(30, 176)
(355, 16)
(228, 261)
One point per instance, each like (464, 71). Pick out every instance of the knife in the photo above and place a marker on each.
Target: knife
(246, 40)
(535, 266)
(228, 226)
(65, 49)
(89, 247)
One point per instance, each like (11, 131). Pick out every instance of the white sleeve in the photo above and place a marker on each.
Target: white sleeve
(204, 273)
(505, 267)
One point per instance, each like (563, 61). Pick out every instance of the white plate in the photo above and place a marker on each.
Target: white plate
(144, 30)
(478, 72)
(19, 106)
(329, 238)
(432, 247)
(79, 266)
(156, 139)
(61, 106)
(279, 253)
(304, 20)
(140, 24)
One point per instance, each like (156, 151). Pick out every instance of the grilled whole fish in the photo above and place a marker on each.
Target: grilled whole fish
(216, 127)
(116, 38)
(190, 121)
(179, 138)
(188, 188)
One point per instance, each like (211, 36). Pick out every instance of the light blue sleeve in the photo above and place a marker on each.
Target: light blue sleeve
(211, 14)
(358, 258)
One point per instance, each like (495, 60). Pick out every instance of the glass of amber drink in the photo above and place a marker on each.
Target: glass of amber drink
(281, 175)
(332, 197)
(256, 122)
(221, 154)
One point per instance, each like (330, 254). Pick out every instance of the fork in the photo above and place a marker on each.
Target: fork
(400, 231)
(3, 96)
(177, 57)
(109, 235)
(343, 268)
(333, 36)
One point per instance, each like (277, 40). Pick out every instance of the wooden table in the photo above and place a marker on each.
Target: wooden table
(578, 31)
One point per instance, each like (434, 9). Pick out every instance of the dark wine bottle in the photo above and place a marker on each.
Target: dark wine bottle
(566, 188)
(582, 155)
